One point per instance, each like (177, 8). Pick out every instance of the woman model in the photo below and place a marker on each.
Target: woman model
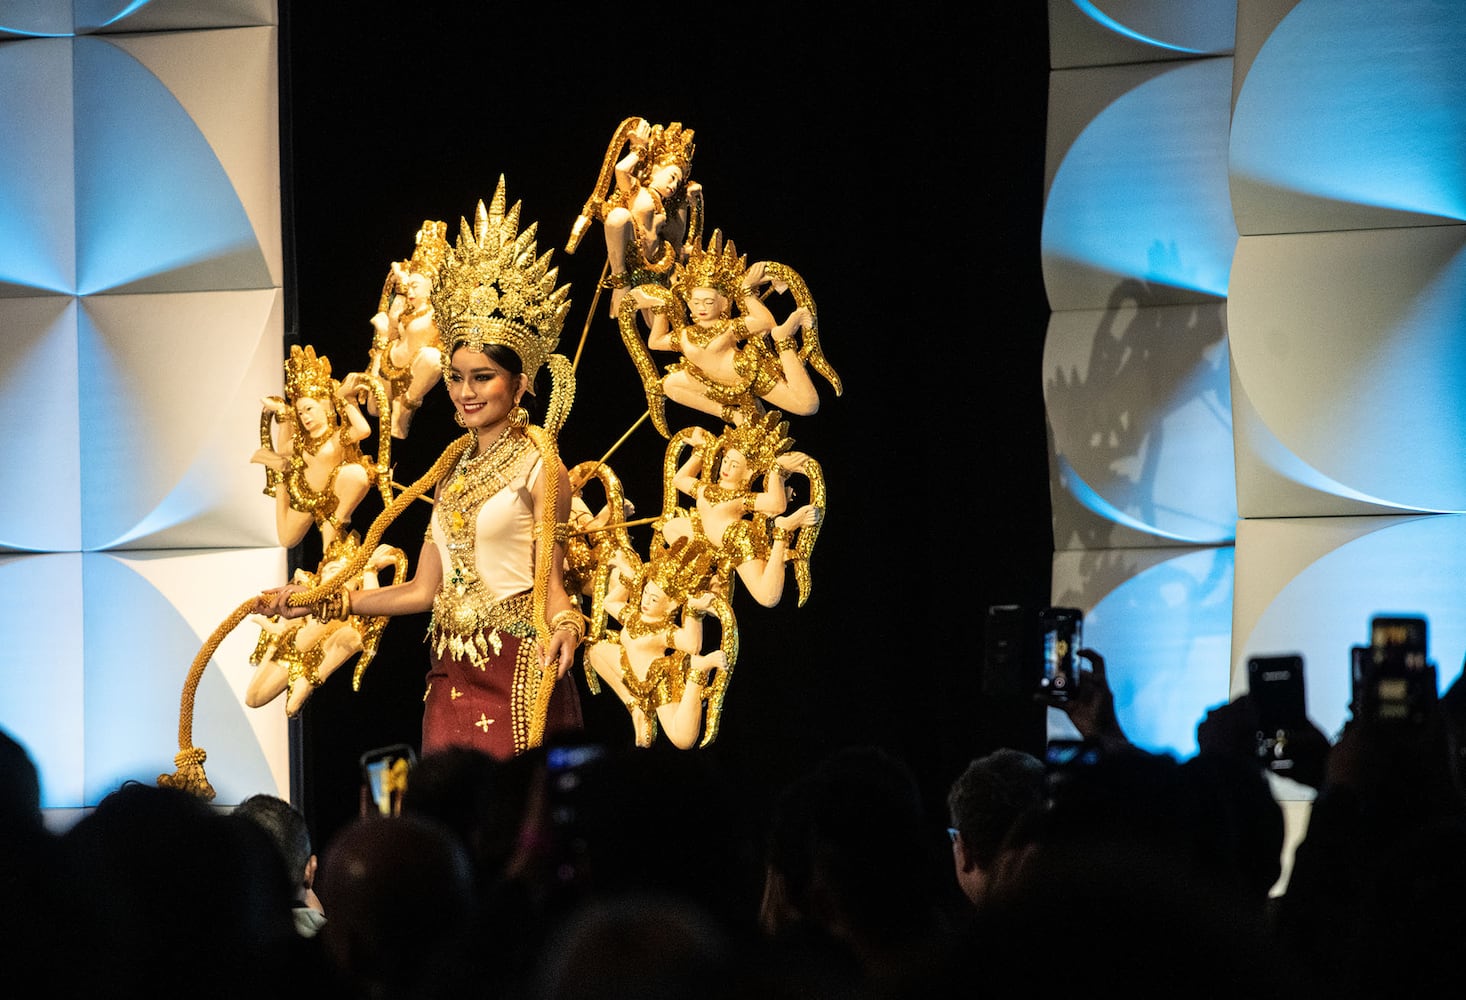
(504, 630)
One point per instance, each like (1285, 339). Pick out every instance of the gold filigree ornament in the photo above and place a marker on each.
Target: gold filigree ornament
(670, 145)
(308, 376)
(760, 441)
(681, 570)
(717, 266)
(430, 250)
(495, 288)
(666, 145)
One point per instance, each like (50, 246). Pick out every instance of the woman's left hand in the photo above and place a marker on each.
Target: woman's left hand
(560, 650)
(273, 602)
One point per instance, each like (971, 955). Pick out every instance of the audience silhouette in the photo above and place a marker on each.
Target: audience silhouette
(581, 870)
(983, 805)
(287, 827)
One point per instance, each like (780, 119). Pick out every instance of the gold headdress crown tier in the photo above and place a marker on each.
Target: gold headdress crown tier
(717, 266)
(760, 440)
(308, 375)
(494, 288)
(430, 251)
(671, 145)
(682, 570)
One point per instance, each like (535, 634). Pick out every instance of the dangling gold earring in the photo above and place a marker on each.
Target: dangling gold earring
(518, 417)
(458, 419)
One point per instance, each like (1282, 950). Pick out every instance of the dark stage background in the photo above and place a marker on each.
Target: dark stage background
(895, 161)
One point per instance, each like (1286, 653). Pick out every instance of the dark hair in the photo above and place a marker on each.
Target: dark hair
(20, 786)
(853, 831)
(990, 796)
(287, 828)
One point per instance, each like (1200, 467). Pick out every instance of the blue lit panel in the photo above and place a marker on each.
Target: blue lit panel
(1348, 351)
(170, 15)
(1141, 190)
(1319, 581)
(35, 18)
(155, 210)
(41, 507)
(41, 671)
(167, 465)
(1352, 116)
(1138, 401)
(37, 231)
(139, 647)
(1163, 622)
(1094, 32)
(99, 14)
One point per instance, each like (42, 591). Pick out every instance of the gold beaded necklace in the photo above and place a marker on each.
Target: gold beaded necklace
(475, 480)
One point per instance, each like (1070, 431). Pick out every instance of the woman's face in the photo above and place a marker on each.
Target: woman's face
(734, 469)
(417, 288)
(705, 306)
(482, 390)
(665, 179)
(655, 604)
(313, 415)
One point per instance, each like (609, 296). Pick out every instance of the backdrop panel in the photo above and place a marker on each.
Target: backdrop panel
(1349, 116)
(176, 470)
(1093, 32)
(37, 196)
(1138, 407)
(1162, 620)
(1137, 183)
(1350, 369)
(1311, 585)
(38, 400)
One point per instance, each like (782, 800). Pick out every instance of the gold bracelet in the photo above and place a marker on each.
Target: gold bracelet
(785, 344)
(781, 535)
(333, 607)
(570, 619)
(561, 532)
(700, 675)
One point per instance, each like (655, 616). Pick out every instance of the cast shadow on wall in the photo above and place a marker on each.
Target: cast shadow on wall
(1144, 502)
(1139, 413)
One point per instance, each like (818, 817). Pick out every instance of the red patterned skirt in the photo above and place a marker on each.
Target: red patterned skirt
(489, 707)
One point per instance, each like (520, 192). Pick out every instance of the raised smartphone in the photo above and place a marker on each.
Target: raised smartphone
(1061, 632)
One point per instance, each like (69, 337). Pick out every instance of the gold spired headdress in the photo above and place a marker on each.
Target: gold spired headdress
(430, 251)
(308, 375)
(760, 440)
(671, 145)
(682, 570)
(494, 289)
(717, 266)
